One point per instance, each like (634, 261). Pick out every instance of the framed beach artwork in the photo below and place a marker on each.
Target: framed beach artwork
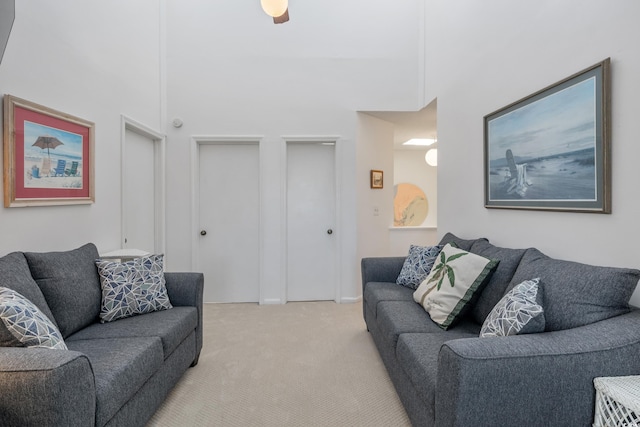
(48, 156)
(551, 150)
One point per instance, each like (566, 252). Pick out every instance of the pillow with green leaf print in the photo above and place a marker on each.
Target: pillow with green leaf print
(453, 285)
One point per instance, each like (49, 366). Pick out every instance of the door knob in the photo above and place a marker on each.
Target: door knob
(329, 231)
(203, 232)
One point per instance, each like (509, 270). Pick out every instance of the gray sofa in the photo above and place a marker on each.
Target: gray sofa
(113, 374)
(456, 378)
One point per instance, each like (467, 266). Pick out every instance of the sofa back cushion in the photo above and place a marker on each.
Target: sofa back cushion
(500, 280)
(577, 294)
(71, 286)
(15, 274)
(464, 244)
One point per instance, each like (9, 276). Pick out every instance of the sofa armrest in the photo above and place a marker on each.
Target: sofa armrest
(186, 289)
(46, 387)
(381, 269)
(535, 379)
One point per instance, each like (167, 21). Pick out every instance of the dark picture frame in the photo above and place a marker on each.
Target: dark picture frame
(551, 150)
(48, 156)
(377, 179)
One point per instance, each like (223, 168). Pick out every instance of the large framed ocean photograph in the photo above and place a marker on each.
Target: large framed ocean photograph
(551, 150)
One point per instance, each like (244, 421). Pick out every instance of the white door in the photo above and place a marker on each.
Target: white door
(229, 217)
(311, 234)
(139, 192)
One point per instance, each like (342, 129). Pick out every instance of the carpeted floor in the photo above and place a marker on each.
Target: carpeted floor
(298, 364)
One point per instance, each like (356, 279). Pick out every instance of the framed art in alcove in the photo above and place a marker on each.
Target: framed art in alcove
(48, 156)
(377, 179)
(551, 150)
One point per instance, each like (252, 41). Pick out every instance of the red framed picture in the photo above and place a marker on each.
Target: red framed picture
(48, 156)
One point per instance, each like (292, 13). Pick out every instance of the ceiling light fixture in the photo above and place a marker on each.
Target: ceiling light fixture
(420, 141)
(431, 157)
(278, 9)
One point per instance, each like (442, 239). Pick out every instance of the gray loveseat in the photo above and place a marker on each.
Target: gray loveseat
(113, 374)
(456, 378)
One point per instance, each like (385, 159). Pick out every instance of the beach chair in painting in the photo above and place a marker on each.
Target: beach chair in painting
(59, 171)
(73, 170)
(517, 181)
(46, 167)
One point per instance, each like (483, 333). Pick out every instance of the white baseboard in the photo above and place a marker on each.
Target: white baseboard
(350, 300)
(271, 301)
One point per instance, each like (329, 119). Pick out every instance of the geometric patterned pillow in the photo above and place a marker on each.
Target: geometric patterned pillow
(518, 312)
(24, 325)
(133, 287)
(417, 265)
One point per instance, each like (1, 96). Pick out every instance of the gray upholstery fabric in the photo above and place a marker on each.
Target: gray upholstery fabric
(401, 317)
(71, 286)
(141, 407)
(417, 354)
(465, 244)
(171, 326)
(15, 274)
(535, 379)
(45, 387)
(577, 294)
(121, 366)
(381, 269)
(495, 288)
(375, 292)
(186, 289)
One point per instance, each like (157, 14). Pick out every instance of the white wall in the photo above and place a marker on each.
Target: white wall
(482, 56)
(231, 71)
(410, 167)
(94, 60)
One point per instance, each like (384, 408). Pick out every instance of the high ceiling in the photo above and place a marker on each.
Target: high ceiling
(411, 124)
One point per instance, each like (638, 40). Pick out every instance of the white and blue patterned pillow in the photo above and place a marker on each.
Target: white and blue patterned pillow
(133, 287)
(417, 265)
(518, 312)
(24, 325)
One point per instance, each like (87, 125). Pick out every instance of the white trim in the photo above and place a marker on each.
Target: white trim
(422, 55)
(159, 179)
(350, 300)
(196, 142)
(271, 301)
(311, 139)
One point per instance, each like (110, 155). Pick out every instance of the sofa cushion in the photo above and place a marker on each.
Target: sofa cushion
(120, 366)
(70, 284)
(417, 265)
(171, 326)
(399, 317)
(22, 324)
(520, 311)
(465, 244)
(374, 292)
(450, 288)
(417, 354)
(577, 294)
(500, 279)
(15, 274)
(132, 287)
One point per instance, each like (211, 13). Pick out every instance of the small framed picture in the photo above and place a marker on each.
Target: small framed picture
(48, 156)
(376, 179)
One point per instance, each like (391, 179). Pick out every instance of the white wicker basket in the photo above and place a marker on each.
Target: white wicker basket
(617, 401)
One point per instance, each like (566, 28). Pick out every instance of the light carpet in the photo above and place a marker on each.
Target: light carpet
(298, 364)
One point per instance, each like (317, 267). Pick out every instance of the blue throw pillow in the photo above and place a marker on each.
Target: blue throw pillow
(417, 265)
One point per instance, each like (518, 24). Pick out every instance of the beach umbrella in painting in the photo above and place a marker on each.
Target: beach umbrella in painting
(47, 142)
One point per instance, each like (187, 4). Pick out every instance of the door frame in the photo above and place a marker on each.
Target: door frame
(196, 142)
(159, 178)
(337, 170)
